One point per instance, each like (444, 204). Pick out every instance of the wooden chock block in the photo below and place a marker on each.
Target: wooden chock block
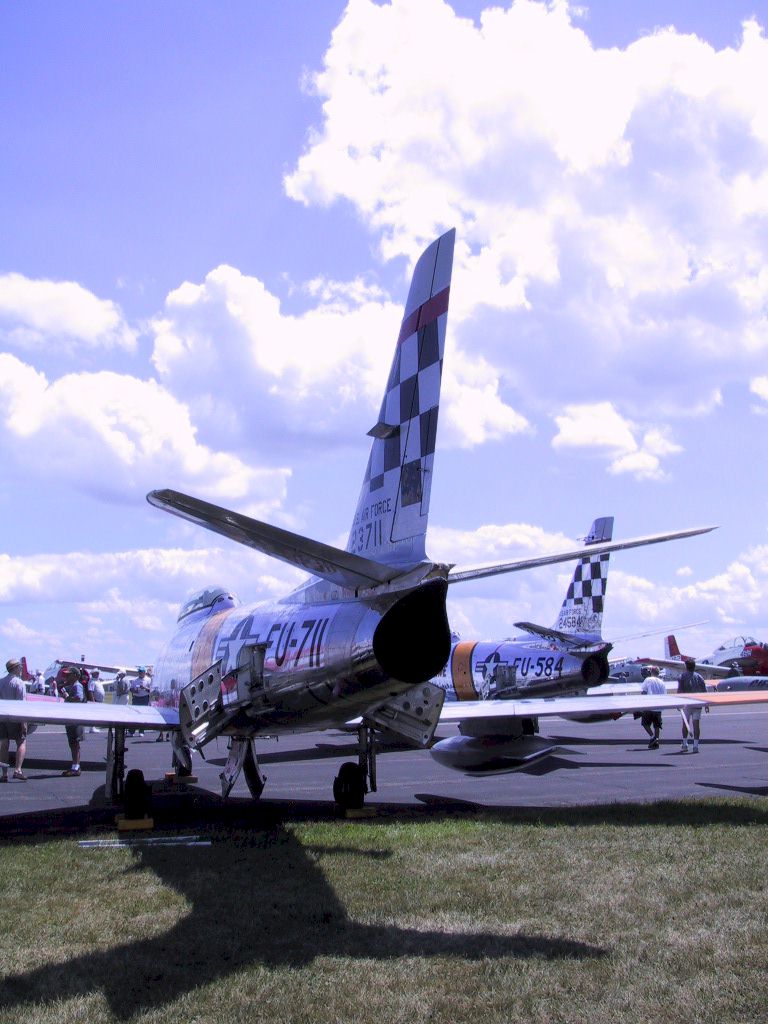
(359, 812)
(133, 824)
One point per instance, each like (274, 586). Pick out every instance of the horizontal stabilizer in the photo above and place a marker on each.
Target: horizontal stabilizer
(569, 640)
(457, 575)
(338, 567)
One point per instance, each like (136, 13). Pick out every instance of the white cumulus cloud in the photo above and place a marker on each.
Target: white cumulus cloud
(115, 434)
(38, 314)
(602, 428)
(609, 203)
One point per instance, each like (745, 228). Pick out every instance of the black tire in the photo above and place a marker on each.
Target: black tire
(137, 801)
(349, 786)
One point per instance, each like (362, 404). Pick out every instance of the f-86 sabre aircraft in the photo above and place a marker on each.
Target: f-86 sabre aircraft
(546, 661)
(362, 637)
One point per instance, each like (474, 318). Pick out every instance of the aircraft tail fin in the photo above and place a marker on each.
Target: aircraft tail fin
(387, 535)
(671, 648)
(390, 521)
(582, 610)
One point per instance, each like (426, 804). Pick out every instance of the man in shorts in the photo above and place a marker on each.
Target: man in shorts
(651, 720)
(74, 694)
(12, 688)
(691, 682)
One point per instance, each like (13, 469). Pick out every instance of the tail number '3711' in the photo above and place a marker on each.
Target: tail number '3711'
(369, 535)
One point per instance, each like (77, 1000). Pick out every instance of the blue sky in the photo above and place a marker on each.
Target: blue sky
(208, 217)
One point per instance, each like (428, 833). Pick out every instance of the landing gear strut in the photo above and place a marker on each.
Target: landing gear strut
(355, 780)
(116, 762)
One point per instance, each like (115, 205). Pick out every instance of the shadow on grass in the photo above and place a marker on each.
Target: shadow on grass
(258, 897)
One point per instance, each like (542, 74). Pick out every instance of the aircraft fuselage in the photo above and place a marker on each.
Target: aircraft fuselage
(482, 670)
(323, 663)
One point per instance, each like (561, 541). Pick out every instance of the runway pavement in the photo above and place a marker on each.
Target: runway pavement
(595, 764)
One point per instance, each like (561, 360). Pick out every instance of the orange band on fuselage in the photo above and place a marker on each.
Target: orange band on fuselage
(461, 671)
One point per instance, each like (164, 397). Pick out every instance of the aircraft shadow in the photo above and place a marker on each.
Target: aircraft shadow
(554, 763)
(746, 790)
(666, 740)
(318, 752)
(257, 896)
(57, 766)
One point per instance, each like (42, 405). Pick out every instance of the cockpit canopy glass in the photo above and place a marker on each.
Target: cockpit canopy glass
(214, 598)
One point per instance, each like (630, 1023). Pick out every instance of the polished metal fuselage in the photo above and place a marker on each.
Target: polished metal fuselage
(324, 663)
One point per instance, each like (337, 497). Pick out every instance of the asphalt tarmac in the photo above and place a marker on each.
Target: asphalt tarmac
(595, 764)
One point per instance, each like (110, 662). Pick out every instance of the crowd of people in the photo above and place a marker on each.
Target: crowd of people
(75, 685)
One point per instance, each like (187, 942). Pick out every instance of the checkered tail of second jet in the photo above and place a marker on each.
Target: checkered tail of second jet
(582, 611)
(390, 521)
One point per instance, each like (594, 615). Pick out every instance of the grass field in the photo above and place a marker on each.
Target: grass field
(628, 913)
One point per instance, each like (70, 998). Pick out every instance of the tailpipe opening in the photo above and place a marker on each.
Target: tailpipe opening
(413, 640)
(595, 669)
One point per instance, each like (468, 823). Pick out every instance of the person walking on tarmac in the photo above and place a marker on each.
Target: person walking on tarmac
(74, 694)
(651, 720)
(12, 688)
(691, 681)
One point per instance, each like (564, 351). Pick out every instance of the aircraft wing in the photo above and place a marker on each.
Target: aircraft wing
(707, 671)
(53, 712)
(604, 705)
(332, 564)
(458, 575)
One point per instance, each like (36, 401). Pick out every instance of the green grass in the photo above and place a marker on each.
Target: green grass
(650, 912)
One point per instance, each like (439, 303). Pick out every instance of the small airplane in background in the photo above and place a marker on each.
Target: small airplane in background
(365, 634)
(636, 670)
(744, 653)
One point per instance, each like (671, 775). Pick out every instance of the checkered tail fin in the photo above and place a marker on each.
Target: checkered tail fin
(390, 522)
(582, 609)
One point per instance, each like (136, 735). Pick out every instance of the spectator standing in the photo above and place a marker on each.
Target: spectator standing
(12, 688)
(122, 689)
(140, 689)
(74, 694)
(95, 688)
(691, 682)
(94, 692)
(651, 720)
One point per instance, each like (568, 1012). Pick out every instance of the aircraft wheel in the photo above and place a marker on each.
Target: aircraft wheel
(137, 798)
(349, 786)
(254, 776)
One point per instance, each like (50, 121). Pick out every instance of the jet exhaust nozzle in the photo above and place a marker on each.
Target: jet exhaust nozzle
(595, 669)
(413, 640)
